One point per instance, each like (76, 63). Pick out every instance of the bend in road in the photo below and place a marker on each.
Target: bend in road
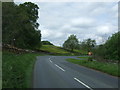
(56, 72)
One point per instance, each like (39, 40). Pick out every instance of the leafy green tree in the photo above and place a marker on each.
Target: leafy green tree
(71, 43)
(8, 22)
(110, 50)
(100, 51)
(31, 11)
(112, 47)
(88, 44)
(20, 27)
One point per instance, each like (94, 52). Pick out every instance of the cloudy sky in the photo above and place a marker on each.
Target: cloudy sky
(95, 20)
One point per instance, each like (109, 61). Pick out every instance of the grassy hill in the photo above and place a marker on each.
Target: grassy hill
(60, 51)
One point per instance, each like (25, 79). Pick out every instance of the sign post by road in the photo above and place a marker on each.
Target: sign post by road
(90, 56)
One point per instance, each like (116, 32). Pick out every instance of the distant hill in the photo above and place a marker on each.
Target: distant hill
(46, 43)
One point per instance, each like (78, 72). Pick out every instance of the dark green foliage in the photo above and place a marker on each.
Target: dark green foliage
(87, 44)
(46, 43)
(20, 27)
(110, 49)
(71, 43)
(31, 11)
(8, 14)
(100, 51)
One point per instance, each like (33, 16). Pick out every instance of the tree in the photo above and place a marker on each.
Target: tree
(20, 27)
(110, 50)
(31, 11)
(88, 44)
(71, 43)
(112, 47)
(8, 21)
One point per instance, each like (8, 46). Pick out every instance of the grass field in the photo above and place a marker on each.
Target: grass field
(17, 69)
(59, 50)
(81, 51)
(84, 57)
(108, 68)
(53, 49)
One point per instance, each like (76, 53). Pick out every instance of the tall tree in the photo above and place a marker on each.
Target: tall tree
(8, 21)
(20, 27)
(88, 44)
(112, 47)
(71, 43)
(110, 50)
(31, 11)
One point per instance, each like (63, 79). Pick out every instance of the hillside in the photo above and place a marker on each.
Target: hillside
(60, 51)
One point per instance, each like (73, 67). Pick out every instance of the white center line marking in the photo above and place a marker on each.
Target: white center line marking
(59, 67)
(83, 83)
(50, 61)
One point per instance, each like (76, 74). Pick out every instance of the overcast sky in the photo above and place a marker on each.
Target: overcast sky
(95, 20)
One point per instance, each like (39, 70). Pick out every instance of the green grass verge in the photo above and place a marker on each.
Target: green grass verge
(84, 57)
(108, 68)
(17, 69)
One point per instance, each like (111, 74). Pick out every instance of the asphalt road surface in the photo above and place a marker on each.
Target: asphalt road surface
(56, 72)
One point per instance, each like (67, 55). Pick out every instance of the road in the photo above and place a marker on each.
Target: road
(56, 72)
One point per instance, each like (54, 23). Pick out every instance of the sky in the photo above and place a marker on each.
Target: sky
(95, 20)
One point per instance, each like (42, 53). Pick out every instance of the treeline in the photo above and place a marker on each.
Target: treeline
(73, 43)
(109, 50)
(19, 25)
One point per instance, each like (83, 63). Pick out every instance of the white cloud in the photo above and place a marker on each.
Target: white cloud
(107, 29)
(103, 29)
(98, 11)
(82, 22)
(61, 0)
(115, 10)
(86, 20)
(50, 34)
(96, 20)
(115, 7)
(66, 27)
